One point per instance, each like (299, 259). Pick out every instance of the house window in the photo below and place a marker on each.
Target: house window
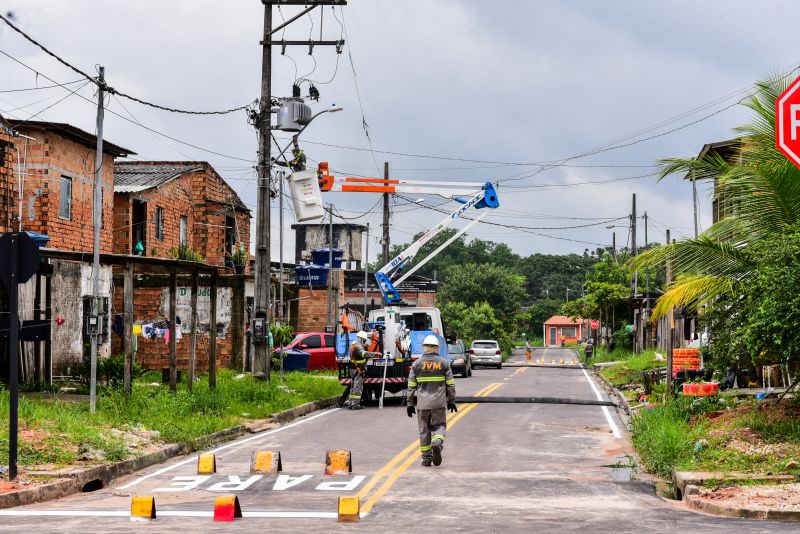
(160, 224)
(568, 331)
(65, 198)
(183, 228)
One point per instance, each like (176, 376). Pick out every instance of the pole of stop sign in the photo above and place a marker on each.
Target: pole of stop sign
(13, 367)
(787, 122)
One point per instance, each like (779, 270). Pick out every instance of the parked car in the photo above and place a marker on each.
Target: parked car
(320, 345)
(486, 352)
(459, 359)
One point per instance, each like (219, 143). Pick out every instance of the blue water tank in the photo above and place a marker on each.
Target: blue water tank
(311, 275)
(321, 256)
(41, 240)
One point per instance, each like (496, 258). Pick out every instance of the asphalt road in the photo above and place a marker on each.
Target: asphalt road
(507, 468)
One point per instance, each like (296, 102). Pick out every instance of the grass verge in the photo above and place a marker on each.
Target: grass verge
(57, 433)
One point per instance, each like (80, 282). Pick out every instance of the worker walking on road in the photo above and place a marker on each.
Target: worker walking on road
(588, 350)
(432, 389)
(528, 351)
(358, 362)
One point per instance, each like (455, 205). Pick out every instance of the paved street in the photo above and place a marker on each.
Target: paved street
(507, 468)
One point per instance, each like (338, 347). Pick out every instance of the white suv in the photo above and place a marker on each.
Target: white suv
(486, 352)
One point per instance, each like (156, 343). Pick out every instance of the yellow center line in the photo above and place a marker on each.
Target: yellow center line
(397, 459)
(389, 482)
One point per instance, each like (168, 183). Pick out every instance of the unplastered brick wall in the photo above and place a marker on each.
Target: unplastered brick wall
(122, 224)
(8, 194)
(313, 306)
(49, 158)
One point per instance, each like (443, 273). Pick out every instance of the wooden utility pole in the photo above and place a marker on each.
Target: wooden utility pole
(127, 315)
(97, 213)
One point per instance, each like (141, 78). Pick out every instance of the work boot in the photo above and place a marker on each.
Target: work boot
(426, 463)
(436, 449)
(356, 407)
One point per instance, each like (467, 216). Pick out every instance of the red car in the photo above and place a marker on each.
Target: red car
(320, 345)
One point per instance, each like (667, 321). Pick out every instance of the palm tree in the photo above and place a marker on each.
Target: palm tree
(760, 189)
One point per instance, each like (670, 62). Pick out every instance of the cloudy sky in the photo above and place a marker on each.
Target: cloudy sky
(483, 90)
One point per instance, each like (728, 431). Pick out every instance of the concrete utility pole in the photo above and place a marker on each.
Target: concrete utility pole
(694, 205)
(281, 177)
(385, 240)
(97, 213)
(331, 321)
(614, 245)
(262, 303)
(366, 270)
(670, 327)
(633, 226)
(260, 351)
(646, 290)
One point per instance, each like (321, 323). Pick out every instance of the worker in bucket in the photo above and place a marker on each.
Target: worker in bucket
(432, 389)
(358, 362)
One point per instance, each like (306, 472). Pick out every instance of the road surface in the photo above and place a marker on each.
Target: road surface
(507, 468)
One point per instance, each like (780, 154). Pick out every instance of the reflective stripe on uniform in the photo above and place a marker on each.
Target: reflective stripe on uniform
(424, 448)
(430, 379)
(412, 384)
(355, 396)
(450, 382)
(437, 436)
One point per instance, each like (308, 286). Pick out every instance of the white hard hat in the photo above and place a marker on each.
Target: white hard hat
(362, 335)
(431, 340)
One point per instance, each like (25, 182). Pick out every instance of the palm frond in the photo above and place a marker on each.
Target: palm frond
(690, 292)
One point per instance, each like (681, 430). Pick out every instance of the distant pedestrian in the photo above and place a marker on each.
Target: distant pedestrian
(432, 388)
(528, 351)
(588, 350)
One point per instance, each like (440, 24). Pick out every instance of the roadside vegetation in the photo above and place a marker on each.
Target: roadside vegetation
(57, 431)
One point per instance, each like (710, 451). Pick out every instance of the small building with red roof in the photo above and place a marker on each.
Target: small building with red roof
(560, 329)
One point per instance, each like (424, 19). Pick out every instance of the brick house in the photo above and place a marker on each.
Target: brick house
(58, 165)
(165, 204)
(8, 189)
(558, 329)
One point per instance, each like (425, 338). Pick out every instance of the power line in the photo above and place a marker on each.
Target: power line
(109, 89)
(40, 88)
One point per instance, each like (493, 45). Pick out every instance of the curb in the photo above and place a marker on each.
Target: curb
(683, 481)
(695, 501)
(623, 402)
(107, 473)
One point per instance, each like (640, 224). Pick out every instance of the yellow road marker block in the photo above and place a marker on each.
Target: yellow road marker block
(143, 508)
(562, 361)
(338, 463)
(207, 464)
(226, 508)
(552, 362)
(266, 462)
(349, 509)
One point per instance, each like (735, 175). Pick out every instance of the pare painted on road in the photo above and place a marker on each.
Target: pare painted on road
(258, 483)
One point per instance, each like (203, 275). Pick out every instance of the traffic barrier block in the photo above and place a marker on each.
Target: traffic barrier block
(561, 361)
(207, 464)
(226, 508)
(266, 462)
(338, 463)
(143, 508)
(349, 509)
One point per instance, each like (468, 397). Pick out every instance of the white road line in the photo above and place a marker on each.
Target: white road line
(167, 513)
(614, 430)
(233, 444)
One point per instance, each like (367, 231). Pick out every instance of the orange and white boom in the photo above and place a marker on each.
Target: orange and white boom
(330, 183)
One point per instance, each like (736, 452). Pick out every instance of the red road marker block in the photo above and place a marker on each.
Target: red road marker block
(226, 508)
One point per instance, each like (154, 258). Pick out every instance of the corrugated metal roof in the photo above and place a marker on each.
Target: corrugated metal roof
(132, 177)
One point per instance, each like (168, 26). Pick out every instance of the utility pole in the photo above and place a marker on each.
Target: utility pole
(330, 267)
(263, 123)
(633, 227)
(614, 245)
(634, 277)
(646, 288)
(694, 205)
(281, 177)
(260, 363)
(385, 240)
(670, 327)
(366, 269)
(97, 212)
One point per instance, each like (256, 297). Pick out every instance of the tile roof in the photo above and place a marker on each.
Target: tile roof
(561, 320)
(73, 133)
(133, 177)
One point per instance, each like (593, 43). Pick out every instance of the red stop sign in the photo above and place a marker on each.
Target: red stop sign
(787, 122)
(595, 324)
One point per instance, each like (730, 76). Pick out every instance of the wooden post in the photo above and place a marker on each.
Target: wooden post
(173, 305)
(48, 344)
(193, 334)
(127, 314)
(212, 335)
(37, 345)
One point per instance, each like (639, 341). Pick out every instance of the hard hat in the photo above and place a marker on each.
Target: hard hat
(362, 335)
(431, 340)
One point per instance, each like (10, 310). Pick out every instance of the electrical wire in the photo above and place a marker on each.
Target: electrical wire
(40, 88)
(110, 89)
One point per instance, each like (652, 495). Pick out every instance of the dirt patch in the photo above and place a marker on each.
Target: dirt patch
(785, 497)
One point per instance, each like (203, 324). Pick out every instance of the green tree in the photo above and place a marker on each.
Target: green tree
(471, 284)
(477, 321)
(760, 189)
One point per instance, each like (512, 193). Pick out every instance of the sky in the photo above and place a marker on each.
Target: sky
(467, 90)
